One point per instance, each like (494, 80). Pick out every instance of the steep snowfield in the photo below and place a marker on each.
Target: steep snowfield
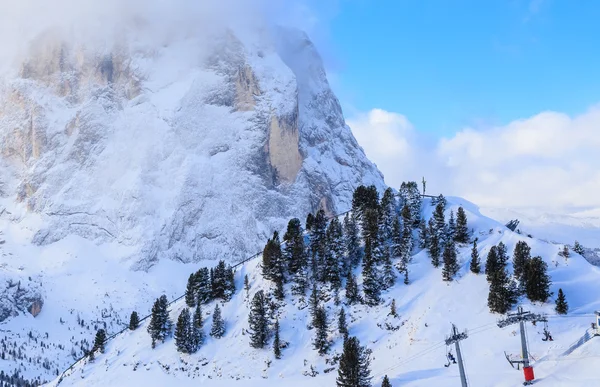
(413, 355)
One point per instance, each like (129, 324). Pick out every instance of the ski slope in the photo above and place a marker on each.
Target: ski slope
(412, 355)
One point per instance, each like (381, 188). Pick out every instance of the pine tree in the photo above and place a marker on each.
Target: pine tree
(439, 220)
(313, 301)
(334, 254)
(310, 220)
(451, 229)
(160, 324)
(388, 276)
(218, 325)
(183, 332)
(352, 293)
(221, 284)
(300, 282)
(393, 311)
(134, 321)
(386, 382)
(475, 265)
(99, 341)
(462, 229)
(371, 286)
(411, 196)
(502, 254)
(203, 286)
(229, 283)
(521, 257)
(388, 213)
(320, 341)
(537, 281)
(276, 341)
(352, 241)
(371, 229)
(503, 295)
(396, 247)
(190, 291)
(423, 235)
(246, 284)
(492, 264)
(562, 307)
(407, 240)
(364, 198)
(342, 324)
(318, 245)
(406, 281)
(295, 251)
(450, 261)
(434, 245)
(354, 365)
(197, 336)
(257, 321)
(578, 248)
(565, 253)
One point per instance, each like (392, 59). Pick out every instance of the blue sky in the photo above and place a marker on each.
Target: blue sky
(450, 64)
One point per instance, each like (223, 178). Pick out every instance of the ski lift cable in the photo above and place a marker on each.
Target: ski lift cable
(411, 358)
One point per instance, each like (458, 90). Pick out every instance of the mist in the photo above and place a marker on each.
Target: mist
(100, 24)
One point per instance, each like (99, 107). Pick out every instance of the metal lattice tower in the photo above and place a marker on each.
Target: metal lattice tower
(455, 338)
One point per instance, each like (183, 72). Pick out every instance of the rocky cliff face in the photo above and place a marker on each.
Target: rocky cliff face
(177, 153)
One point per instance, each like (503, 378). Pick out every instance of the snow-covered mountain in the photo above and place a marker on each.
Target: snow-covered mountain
(409, 348)
(125, 164)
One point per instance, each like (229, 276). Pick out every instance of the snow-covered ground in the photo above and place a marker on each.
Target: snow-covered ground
(413, 355)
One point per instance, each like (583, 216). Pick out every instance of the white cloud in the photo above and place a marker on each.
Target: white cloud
(550, 160)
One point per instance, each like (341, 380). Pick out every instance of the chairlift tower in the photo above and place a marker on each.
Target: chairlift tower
(455, 338)
(521, 317)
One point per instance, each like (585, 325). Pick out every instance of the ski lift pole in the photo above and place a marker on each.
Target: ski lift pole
(455, 339)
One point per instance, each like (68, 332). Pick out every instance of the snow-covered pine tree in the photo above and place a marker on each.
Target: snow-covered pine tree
(503, 295)
(386, 382)
(190, 292)
(364, 198)
(197, 335)
(371, 228)
(406, 281)
(578, 248)
(388, 213)
(310, 219)
(439, 220)
(229, 283)
(352, 293)
(492, 264)
(434, 245)
(462, 228)
(320, 323)
(160, 324)
(450, 261)
(388, 275)
(183, 332)
(451, 229)
(295, 251)
(407, 238)
(134, 321)
(334, 254)
(354, 369)
(318, 245)
(423, 235)
(565, 253)
(411, 196)
(203, 286)
(352, 241)
(521, 257)
(342, 324)
(300, 282)
(393, 311)
(246, 284)
(276, 341)
(475, 265)
(537, 280)
(396, 247)
(313, 301)
(99, 341)
(257, 321)
(562, 307)
(218, 325)
(371, 285)
(502, 253)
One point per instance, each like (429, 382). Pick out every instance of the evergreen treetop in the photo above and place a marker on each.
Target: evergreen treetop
(537, 280)
(257, 321)
(134, 321)
(475, 265)
(462, 229)
(354, 369)
(100, 340)
(562, 307)
(218, 325)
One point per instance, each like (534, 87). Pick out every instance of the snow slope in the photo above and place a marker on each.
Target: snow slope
(412, 355)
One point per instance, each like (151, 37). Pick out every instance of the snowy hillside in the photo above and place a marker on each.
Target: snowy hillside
(122, 166)
(411, 351)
